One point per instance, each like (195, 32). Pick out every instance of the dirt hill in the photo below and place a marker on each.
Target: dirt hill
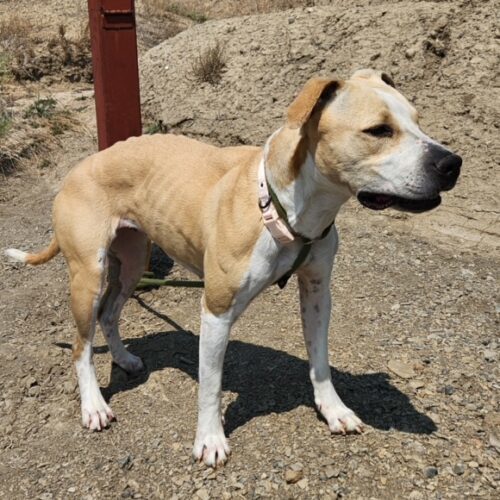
(442, 55)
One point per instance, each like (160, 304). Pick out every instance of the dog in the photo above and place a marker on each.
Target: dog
(242, 218)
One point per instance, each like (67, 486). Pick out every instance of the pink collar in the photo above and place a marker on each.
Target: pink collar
(274, 223)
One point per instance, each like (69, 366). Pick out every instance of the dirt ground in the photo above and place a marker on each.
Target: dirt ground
(414, 334)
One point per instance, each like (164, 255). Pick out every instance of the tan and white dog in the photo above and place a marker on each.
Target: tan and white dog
(200, 204)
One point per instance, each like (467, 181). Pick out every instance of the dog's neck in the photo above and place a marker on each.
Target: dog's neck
(310, 200)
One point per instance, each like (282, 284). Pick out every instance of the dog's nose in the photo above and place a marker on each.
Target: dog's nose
(448, 168)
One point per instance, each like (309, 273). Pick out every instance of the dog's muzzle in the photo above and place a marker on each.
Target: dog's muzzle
(441, 167)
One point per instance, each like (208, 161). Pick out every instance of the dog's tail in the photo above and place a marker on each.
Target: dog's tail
(34, 259)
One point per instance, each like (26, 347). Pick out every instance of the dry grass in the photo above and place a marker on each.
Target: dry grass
(14, 30)
(202, 10)
(15, 44)
(209, 64)
(5, 121)
(36, 129)
(160, 8)
(72, 52)
(25, 57)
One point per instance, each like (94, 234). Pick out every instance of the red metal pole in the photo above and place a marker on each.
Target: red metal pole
(116, 72)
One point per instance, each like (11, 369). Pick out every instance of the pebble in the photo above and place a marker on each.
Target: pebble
(203, 494)
(401, 368)
(448, 390)
(417, 384)
(30, 382)
(416, 495)
(494, 441)
(490, 355)
(302, 484)
(293, 476)
(410, 53)
(34, 391)
(459, 468)
(331, 472)
(126, 462)
(473, 464)
(69, 387)
(430, 472)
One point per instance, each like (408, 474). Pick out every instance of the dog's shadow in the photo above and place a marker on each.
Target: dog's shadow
(268, 381)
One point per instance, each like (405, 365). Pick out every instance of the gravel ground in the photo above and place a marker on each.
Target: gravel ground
(414, 334)
(414, 351)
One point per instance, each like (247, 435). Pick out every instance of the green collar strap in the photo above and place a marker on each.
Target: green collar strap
(306, 242)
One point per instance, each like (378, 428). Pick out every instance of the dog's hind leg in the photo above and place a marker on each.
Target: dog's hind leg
(127, 258)
(86, 291)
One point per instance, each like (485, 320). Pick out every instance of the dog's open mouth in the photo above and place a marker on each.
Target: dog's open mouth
(379, 201)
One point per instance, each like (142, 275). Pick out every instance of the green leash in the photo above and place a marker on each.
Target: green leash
(149, 282)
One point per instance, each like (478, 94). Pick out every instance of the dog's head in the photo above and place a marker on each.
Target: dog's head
(364, 135)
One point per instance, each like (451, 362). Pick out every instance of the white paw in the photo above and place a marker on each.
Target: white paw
(97, 417)
(131, 363)
(341, 420)
(213, 449)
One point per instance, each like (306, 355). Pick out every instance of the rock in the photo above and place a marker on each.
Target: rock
(492, 425)
(430, 472)
(473, 464)
(459, 468)
(126, 462)
(448, 390)
(417, 384)
(69, 387)
(490, 355)
(494, 441)
(202, 494)
(30, 381)
(401, 368)
(410, 53)
(293, 476)
(416, 495)
(34, 391)
(331, 472)
(302, 484)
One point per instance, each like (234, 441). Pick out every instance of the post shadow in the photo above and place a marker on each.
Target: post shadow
(268, 381)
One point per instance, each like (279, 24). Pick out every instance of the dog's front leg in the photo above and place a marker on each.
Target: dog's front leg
(211, 444)
(315, 305)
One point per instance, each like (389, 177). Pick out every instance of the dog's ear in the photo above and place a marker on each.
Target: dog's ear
(374, 74)
(313, 96)
(387, 79)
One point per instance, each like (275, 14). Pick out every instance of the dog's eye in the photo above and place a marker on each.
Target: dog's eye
(380, 131)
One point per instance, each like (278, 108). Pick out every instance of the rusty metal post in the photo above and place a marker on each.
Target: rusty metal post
(116, 72)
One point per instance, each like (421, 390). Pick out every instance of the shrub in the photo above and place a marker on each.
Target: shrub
(209, 64)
